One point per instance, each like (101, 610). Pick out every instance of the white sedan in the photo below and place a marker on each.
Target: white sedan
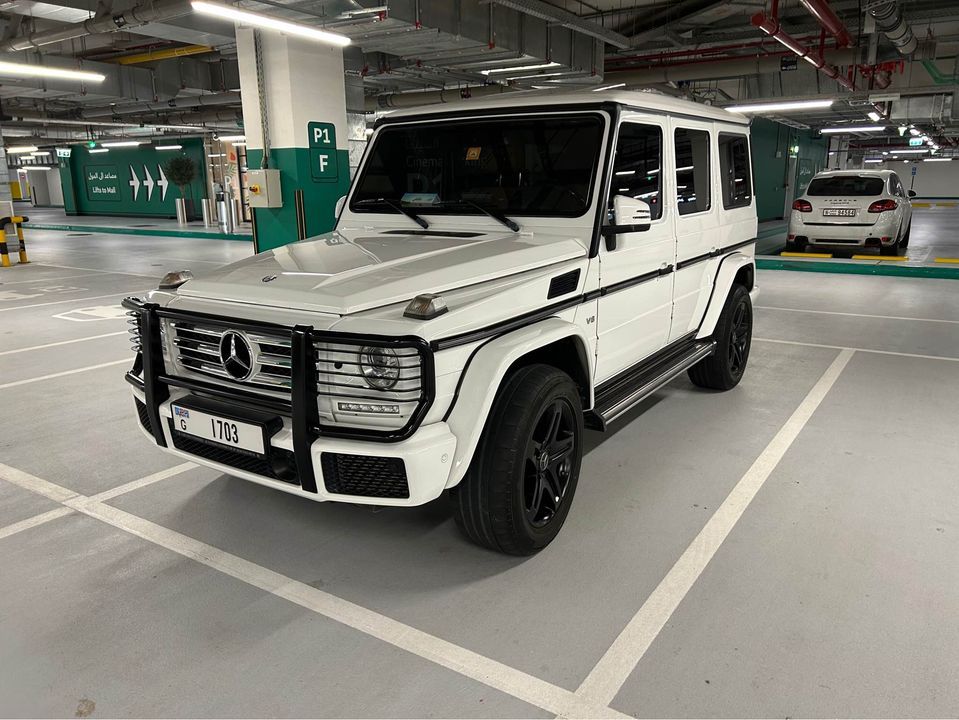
(853, 209)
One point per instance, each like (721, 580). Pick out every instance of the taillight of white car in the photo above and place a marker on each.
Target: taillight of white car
(883, 205)
(805, 206)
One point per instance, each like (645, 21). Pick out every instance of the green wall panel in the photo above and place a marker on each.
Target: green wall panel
(277, 226)
(127, 181)
(771, 144)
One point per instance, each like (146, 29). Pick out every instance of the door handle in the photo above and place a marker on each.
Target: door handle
(665, 269)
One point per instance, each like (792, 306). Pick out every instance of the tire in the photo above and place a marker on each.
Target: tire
(890, 250)
(502, 503)
(791, 246)
(733, 335)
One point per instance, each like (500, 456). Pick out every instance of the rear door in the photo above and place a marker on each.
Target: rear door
(696, 220)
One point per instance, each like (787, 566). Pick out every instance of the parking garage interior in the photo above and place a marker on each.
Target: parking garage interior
(783, 549)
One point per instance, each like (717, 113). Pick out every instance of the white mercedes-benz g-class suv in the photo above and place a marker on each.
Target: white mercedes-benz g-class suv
(502, 274)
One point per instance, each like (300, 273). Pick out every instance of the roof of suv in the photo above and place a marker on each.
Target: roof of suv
(860, 173)
(555, 99)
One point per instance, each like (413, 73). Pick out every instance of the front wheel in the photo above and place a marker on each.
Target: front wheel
(520, 484)
(734, 332)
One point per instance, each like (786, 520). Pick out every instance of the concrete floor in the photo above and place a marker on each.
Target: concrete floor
(785, 549)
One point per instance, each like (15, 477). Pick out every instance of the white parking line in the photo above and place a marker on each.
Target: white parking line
(858, 349)
(50, 279)
(467, 663)
(142, 482)
(858, 315)
(60, 302)
(61, 342)
(94, 270)
(606, 679)
(32, 522)
(51, 376)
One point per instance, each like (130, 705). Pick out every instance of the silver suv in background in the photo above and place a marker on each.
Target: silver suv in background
(853, 209)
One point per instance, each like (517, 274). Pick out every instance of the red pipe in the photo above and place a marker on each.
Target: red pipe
(825, 16)
(771, 27)
(694, 51)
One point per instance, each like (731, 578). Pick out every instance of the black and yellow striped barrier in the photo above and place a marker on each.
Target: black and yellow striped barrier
(17, 222)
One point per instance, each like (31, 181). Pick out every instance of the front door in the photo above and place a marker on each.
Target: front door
(635, 309)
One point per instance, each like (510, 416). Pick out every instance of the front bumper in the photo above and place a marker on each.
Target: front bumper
(302, 456)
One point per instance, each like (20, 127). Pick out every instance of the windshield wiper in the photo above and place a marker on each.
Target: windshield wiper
(396, 206)
(499, 217)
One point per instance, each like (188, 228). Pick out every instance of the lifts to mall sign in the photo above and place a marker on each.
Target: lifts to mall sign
(103, 183)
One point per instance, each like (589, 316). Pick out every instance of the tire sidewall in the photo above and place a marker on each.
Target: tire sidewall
(739, 294)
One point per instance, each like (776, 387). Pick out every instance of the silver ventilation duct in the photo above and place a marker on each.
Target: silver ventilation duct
(889, 19)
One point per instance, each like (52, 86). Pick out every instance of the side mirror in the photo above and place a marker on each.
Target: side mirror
(338, 208)
(912, 193)
(629, 215)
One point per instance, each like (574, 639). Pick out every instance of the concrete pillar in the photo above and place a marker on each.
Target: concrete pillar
(303, 112)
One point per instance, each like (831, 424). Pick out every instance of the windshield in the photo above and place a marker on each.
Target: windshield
(848, 185)
(513, 166)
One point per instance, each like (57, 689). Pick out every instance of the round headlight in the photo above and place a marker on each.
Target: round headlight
(380, 367)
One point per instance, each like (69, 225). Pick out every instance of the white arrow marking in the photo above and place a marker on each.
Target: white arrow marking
(134, 183)
(162, 183)
(148, 182)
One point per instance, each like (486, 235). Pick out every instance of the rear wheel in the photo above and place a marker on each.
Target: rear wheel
(888, 250)
(520, 484)
(724, 368)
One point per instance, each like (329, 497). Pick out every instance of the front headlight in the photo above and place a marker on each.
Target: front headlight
(380, 367)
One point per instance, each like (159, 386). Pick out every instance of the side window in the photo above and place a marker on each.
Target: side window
(692, 170)
(734, 170)
(899, 189)
(636, 170)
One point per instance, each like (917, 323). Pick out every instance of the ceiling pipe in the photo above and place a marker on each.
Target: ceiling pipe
(825, 16)
(713, 69)
(190, 101)
(162, 54)
(134, 17)
(890, 21)
(392, 101)
(770, 26)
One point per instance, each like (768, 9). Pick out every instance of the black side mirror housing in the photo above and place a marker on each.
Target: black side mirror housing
(912, 193)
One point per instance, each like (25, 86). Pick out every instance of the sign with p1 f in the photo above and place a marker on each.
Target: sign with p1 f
(322, 143)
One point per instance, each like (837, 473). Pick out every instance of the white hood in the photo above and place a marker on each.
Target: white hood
(331, 274)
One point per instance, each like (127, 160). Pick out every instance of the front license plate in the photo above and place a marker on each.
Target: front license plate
(839, 212)
(221, 430)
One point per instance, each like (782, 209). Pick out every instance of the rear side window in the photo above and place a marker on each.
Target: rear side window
(846, 185)
(734, 170)
(636, 172)
(692, 170)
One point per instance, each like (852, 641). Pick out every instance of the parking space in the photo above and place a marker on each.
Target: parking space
(753, 553)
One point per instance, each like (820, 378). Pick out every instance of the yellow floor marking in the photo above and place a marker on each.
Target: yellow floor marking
(922, 205)
(803, 254)
(946, 204)
(895, 258)
(954, 261)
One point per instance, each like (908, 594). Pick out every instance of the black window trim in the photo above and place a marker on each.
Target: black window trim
(664, 130)
(749, 167)
(709, 155)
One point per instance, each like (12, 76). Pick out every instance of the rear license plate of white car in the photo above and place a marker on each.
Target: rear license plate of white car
(221, 430)
(839, 212)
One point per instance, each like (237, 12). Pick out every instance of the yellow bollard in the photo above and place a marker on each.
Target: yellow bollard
(17, 222)
(4, 255)
(23, 247)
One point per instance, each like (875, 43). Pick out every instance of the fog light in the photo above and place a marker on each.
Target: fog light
(369, 408)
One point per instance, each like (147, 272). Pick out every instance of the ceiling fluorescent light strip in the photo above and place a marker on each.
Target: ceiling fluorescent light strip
(265, 22)
(853, 129)
(11, 69)
(519, 68)
(781, 106)
(122, 143)
(609, 87)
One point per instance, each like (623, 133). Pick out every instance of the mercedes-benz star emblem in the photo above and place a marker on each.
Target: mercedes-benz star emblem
(236, 355)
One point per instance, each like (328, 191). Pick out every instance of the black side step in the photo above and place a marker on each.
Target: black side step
(616, 397)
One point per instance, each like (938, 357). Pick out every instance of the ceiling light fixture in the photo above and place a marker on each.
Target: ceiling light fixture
(11, 69)
(874, 116)
(515, 68)
(122, 143)
(909, 151)
(232, 138)
(609, 87)
(98, 150)
(168, 147)
(21, 149)
(853, 129)
(265, 22)
(781, 106)
(873, 160)
(948, 159)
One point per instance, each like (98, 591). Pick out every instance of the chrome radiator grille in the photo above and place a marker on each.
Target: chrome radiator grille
(199, 348)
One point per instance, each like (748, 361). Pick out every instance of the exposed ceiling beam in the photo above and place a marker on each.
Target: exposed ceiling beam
(558, 16)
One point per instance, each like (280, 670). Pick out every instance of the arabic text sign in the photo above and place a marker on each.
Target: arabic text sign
(102, 183)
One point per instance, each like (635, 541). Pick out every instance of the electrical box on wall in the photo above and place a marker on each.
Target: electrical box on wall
(264, 189)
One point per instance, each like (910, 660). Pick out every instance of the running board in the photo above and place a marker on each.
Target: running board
(635, 387)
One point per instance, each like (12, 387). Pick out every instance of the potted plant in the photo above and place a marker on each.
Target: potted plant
(181, 171)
